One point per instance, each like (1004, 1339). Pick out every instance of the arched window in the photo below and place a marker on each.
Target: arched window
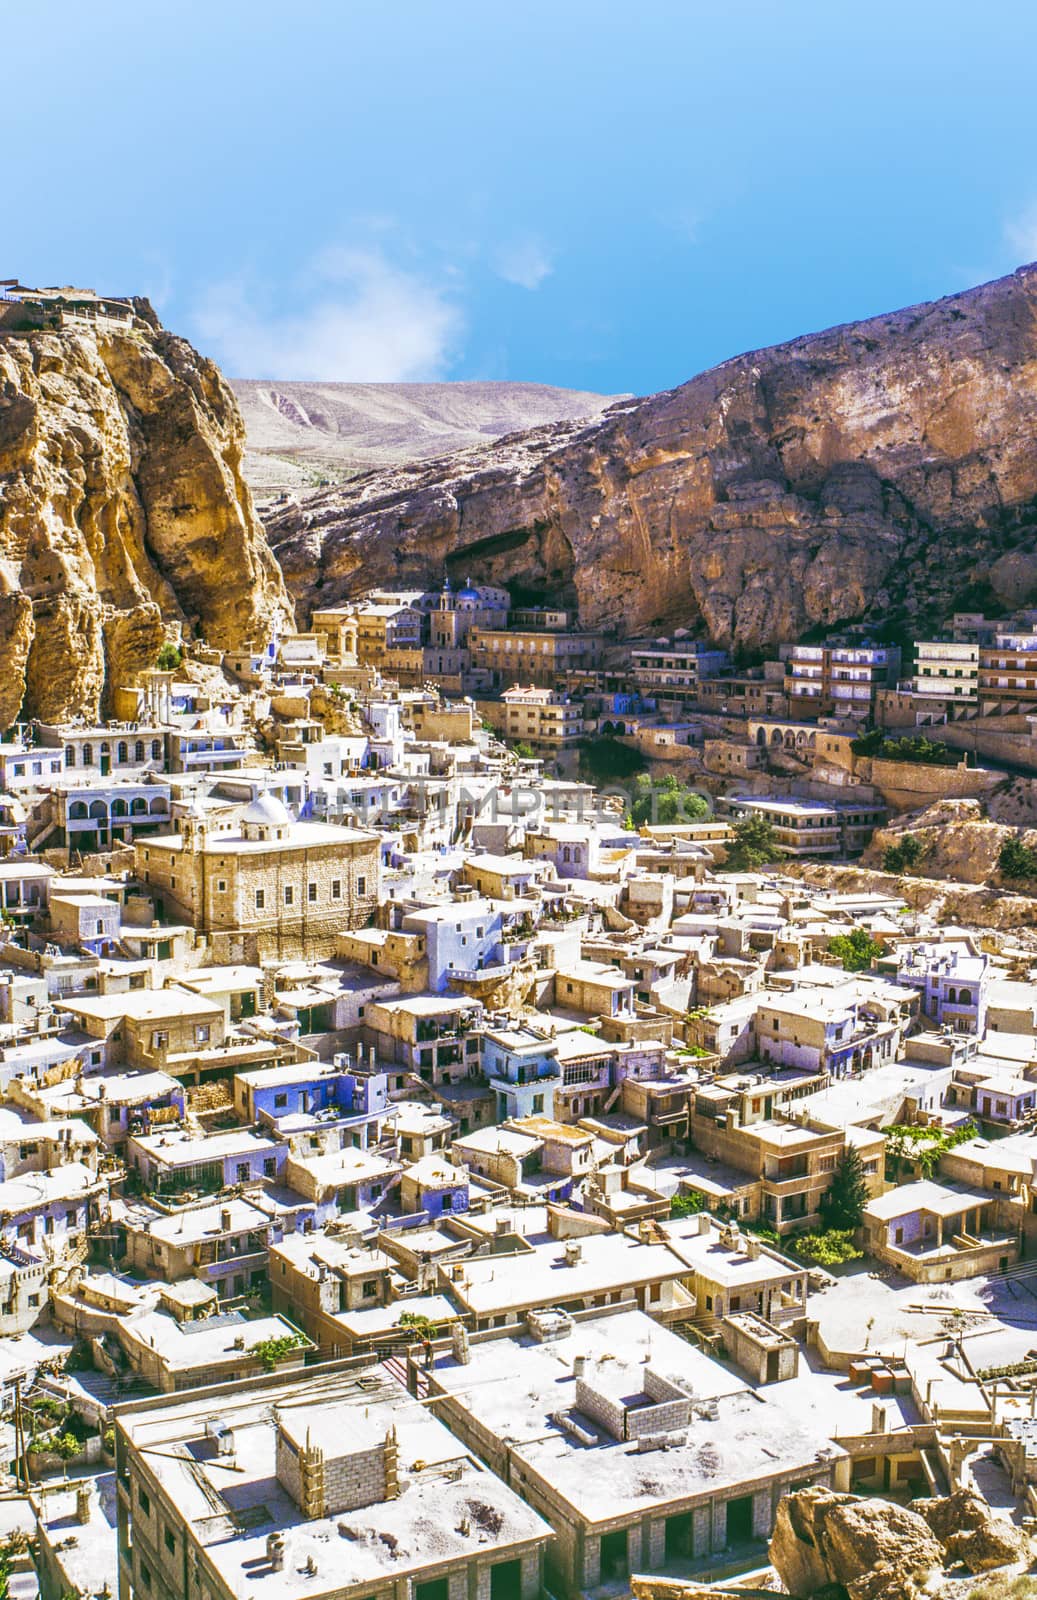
(964, 997)
(952, 996)
(77, 811)
(138, 806)
(99, 811)
(70, 755)
(158, 807)
(119, 808)
(138, 750)
(566, 853)
(88, 755)
(122, 752)
(156, 749)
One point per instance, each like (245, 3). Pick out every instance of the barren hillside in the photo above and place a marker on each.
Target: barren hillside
(302, 433)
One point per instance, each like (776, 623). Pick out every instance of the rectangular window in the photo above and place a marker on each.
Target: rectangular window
(361, 885)
(289, 894)
(311, 893)
(201, 1033)
(336, 888)
(260, 899)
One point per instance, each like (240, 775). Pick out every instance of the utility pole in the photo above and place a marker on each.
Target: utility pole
(19, 1434)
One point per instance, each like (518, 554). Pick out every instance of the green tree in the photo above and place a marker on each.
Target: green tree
(828, 1248)
(856, 950)
(169, 657)
(419, 1326)
(271, 1351)
(904, 855)
(848, 1195)
(1016, 860)
(665, 802)
(754, 844)
(687, 1205)
(525, 752)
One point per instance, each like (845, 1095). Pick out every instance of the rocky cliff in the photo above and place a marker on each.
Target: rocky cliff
(886, 470)
(123, 513)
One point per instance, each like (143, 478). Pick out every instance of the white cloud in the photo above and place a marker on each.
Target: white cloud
(369, 322)
(1022, 236)
(523, 261)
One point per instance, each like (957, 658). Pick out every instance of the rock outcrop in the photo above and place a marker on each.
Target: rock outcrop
(886, 470)
(123, 513)
(971, 1534)
(871, 1549)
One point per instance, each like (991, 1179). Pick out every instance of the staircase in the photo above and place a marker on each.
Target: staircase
(396, 1367)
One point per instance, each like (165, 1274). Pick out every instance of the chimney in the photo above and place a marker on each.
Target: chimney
(275, 1551)
(704, 1221)
(459, 1344)
(879, 1417)
(83, 1503)
(752, 1247)
(225, 1218)
(579, 1366)
(573, 1252)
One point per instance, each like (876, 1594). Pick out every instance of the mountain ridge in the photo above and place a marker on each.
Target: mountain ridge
(298, 432)
(878, 469)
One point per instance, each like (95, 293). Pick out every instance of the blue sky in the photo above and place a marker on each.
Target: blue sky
(603, 195)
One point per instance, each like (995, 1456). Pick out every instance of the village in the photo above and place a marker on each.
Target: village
(449, 1145)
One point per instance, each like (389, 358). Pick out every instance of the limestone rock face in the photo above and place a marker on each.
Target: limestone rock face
(886, 469)
(123, 513)
(873, 1549)
(971, 1533)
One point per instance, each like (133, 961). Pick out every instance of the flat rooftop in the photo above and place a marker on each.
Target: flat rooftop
(738, 1437)
(233, 1509)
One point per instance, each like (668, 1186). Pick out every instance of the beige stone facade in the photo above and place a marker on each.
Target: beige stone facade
(285, 886)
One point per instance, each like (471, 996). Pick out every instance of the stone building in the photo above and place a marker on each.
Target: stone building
(276, 886)
(339, 1485)
(638, 1449)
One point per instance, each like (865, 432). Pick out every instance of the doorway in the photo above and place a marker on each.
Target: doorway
(506, 1580)
(614, 1554)
(740, 1519)
(679, 1536)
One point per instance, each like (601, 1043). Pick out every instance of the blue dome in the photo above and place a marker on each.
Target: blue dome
(468, 593)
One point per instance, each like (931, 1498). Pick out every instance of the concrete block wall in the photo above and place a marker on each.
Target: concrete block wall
(355, 1480)
(763, 1514)
(350, 1481)
(656, 1387)
(653, 1543)
(611, 1414)
(719, 1524)
(531, 1576)
(658, 1419)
